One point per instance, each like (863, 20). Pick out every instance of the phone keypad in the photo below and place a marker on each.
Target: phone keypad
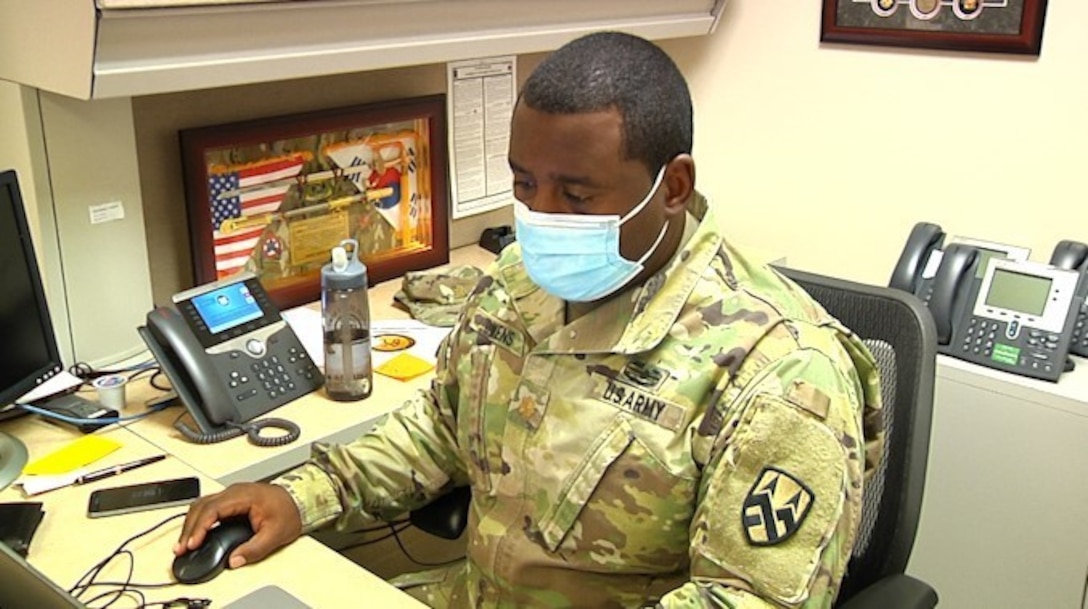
(285, 372)
(1038, 350)
(979, 336)
(277, 376)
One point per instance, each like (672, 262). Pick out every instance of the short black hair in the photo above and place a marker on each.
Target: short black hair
(608, 70)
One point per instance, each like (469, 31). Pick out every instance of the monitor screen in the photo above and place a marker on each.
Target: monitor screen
(1018, 292)
(30, 352)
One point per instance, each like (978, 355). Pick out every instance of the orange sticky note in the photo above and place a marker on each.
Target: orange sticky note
(405, 367)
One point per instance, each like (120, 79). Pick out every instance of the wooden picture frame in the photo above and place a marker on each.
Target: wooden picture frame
(991, 26)
(274, 195)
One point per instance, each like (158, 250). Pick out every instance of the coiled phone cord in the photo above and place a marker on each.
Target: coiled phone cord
(251, 429)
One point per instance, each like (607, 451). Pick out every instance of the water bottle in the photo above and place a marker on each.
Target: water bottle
(345, 314)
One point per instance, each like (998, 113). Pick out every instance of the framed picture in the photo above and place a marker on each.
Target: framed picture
(275, 195)
(997, 26)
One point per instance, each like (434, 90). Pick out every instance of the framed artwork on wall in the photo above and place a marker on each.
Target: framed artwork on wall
(995, 26)
(275, 195)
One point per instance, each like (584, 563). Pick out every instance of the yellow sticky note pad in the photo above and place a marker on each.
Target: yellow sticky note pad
(76, 454)
(404, 367)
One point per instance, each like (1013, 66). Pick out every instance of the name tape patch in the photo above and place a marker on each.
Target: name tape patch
(640, 403)
(498, 333)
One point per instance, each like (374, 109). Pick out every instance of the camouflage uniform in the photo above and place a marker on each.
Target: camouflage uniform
(697, 440)
(437, 297)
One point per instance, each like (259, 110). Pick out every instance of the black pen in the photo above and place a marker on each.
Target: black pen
(117, 469)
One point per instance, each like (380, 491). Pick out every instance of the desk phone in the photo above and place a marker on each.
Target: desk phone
(1020, 320)
(229, 354)
(946, 277)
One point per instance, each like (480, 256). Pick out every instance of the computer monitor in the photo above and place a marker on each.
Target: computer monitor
(28, 349)
(24, 587)
(29, 354)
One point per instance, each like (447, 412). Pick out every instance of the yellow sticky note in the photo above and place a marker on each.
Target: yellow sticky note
(404, 367)
(76, 454)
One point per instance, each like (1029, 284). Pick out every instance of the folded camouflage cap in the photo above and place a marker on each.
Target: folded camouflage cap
(435, 297)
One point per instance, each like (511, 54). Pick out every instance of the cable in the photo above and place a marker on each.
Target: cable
(49, 414)
(95, 570)
(368, 542)
(127, 588)
(158, 374)
(396, 537)
(251, 429)
(86, 372)
(380, 527)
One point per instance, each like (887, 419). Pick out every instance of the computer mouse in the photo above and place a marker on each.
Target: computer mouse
(209, 560)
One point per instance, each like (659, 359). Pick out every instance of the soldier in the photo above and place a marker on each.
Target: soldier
(644, 416)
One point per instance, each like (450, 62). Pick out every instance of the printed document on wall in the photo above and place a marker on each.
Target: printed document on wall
(480, 104)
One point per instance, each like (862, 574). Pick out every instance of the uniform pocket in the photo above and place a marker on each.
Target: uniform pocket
(622, 509)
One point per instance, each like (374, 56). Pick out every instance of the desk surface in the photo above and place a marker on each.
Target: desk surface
(320, 418)
(1069, 394)
(68, 543)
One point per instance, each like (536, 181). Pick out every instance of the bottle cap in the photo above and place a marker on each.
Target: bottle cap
(345, 271)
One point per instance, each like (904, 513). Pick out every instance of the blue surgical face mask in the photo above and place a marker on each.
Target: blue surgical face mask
(577, 256)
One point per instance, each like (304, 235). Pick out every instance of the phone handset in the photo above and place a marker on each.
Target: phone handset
(1073, 255)
(195, 368)
(924, 239)
(196, 381)
(949, 287)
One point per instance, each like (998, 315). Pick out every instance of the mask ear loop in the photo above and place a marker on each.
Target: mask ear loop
(634, 211)
(653, 248)
(653, 190)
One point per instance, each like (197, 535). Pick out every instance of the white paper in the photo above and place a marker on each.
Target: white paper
(35, 485)
(107, 212)
(932, 264)
(480, 105)
(427, 339)
(62, 381)
(307, 325)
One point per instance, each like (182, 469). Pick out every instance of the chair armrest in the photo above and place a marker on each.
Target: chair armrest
(897, 591)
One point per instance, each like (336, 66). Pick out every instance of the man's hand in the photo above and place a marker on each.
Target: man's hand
(272, 514)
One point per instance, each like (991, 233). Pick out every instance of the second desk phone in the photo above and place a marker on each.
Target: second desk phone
(230, 356)
(1073, 255)
(990, 305)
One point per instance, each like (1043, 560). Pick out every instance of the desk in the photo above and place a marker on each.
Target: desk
(321, 419)
(68, 543)
(1004, 522)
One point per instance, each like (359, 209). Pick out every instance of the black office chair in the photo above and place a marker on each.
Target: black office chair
(900, 333)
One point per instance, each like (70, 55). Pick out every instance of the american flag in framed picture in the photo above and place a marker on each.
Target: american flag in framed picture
(240, 197)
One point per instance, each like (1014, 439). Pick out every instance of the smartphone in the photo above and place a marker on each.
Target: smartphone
(140, 497)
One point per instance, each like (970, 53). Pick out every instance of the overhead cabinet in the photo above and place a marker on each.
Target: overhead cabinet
(125, 48)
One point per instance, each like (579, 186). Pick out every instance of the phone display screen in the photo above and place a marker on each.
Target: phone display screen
(146, 496)
(1018, 292)
(227, 307)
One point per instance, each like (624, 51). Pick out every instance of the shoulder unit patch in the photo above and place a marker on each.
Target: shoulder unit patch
(775, 507)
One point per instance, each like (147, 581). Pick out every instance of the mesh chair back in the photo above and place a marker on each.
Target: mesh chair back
(900, 333)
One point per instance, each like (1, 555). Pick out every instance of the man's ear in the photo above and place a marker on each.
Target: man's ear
(679, 182)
